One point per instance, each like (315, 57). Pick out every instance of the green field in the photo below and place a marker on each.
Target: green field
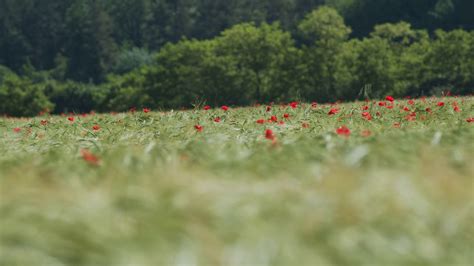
(152, 189)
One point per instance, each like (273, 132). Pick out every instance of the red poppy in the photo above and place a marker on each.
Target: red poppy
(89, 157)
(17, 130)
(294, 105)
(470, 120)
(286, 115)
(382, 103)
(273, 119)
(44, 122)
(70, 119)
(333, 111)
(225, 107)
(406, 109)
(146, 110)
(217, 119)
(269, 108)
(314, 104)
(261, 121)
(199, 128)
(457, 109)
(367, 115)
(440, 104)
(411, 102)
(343, 131)
(96, 128)
(269, 134)
(389, 98)
(365, 108)
(207, 107)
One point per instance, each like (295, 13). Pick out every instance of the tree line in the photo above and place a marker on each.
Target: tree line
(317, 58)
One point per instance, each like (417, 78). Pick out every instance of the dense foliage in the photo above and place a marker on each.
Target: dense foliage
(364, 183)
(87, 55)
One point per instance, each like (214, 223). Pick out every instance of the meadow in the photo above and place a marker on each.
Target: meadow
(382, 182)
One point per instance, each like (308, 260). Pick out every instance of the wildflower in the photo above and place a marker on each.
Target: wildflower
(269, 134)
(207, 107)
(411, 102)
(199, 128)
(367, 116)
(365, 108)
(333, 111)
(286, 115)
(294, 105)
(217, 119)
(382, 103)
(96, 128)
(470, 120)
(440, 104)
(389, 98)
(314, 104)
(343, 131)
(44, 122)
(17, 130)
(89, 157)
(406, 109)
(273, 119)
(281, 123)
(261, 121)
(390, 107)
(269, 108)
(456, 109)
(146, 110)
(70, 119)
(225, 107)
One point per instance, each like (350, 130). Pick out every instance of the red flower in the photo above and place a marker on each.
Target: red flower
(273, 119)
(269, 134)
(70, 119)
(269, 108)
(389, 98)
(146, 110)
(457, 109)
(44, 122)
(207, 107)
(217, 119)
(365, 108)
(367, 115)
(225, 107)
(199, 128)
(470, 120)
(96, 128)
(261, 121)
(294, 105)
(382, 103)
(286, 115)
(17, 130)
(89, 157)
(343, 131)
(411, 102)
(281, 123)
(406, 109)
(390, 107)
(440, 104)
(314, 104)
(333, 111)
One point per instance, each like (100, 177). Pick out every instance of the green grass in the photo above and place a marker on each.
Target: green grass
(165, 194)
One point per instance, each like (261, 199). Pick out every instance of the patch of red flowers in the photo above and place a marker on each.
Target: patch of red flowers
(286, 115)
(382, 103)
(343, 131)
(294, 105)
(225, 107)
(273, 119)
(89, 157)
(367, 116)
(199, 128)
(71, 119)
(440, 104)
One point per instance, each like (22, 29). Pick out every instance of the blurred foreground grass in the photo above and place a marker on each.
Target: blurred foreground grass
(165, 194)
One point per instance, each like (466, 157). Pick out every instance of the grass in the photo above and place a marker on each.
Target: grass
(150, 189)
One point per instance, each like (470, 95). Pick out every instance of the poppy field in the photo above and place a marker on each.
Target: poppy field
(379, 182)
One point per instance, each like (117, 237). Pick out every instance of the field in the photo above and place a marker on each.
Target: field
(366, 183)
